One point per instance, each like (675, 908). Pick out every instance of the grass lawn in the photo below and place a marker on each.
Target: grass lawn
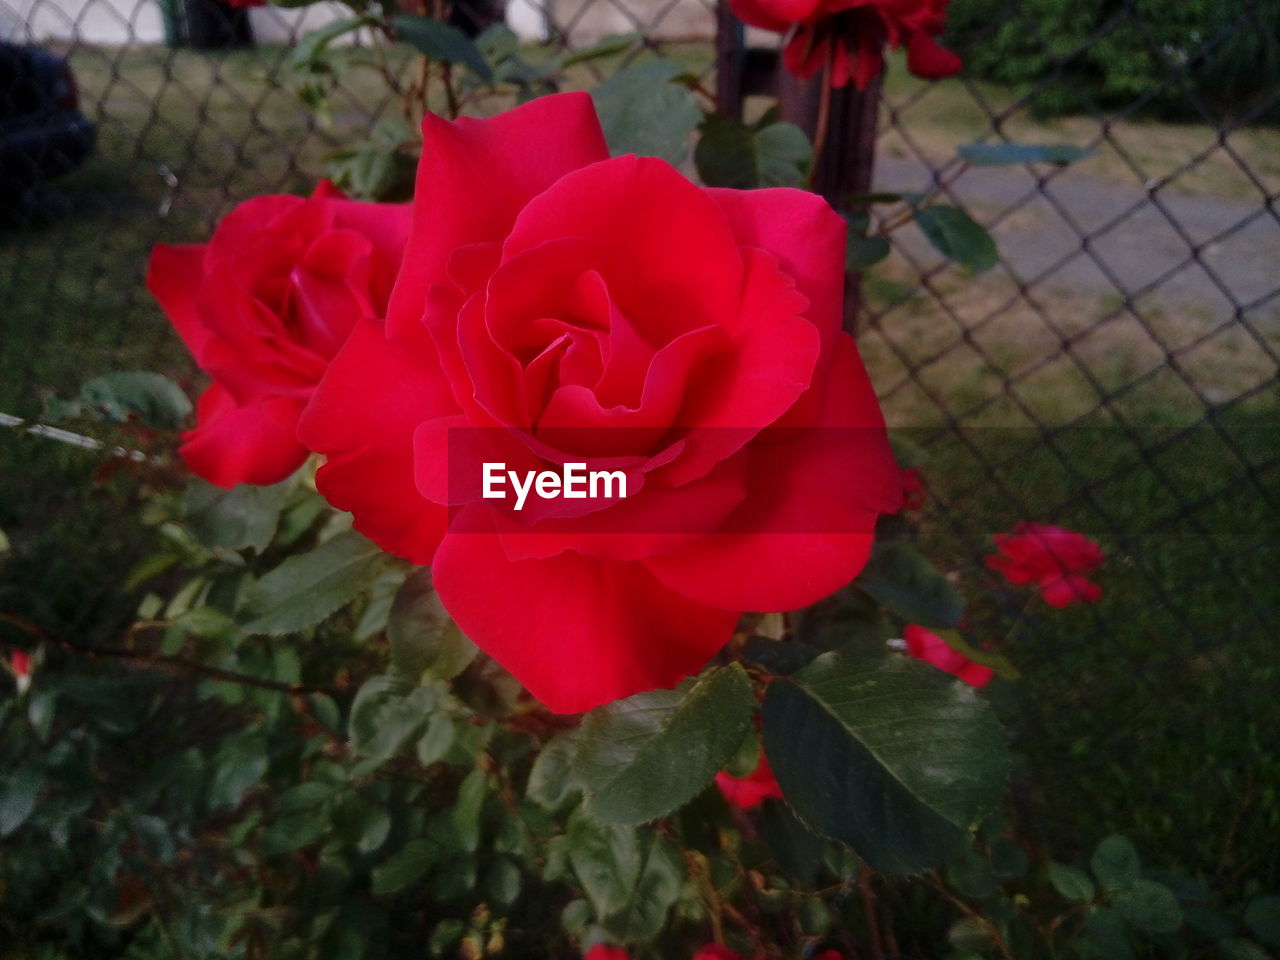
(1149, 713)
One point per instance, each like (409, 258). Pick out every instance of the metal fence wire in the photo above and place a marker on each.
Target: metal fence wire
(1115, 373)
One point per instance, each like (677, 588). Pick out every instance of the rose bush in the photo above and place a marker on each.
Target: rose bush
(851, 35)
(263, 307)
(609, 311)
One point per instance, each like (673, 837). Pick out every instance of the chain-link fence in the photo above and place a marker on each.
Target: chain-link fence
(1116, 373)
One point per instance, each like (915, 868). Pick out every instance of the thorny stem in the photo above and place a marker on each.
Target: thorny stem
(175, 664)
(987, 925)
(869, 909)
(824, 114)
(908, 213)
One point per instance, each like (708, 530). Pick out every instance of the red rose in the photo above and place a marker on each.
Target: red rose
(604, 952)
(753, 789)
(716, 951)
(852, 34)
(555, 306)
(263, 307)
(1053, 558)
(932, 649)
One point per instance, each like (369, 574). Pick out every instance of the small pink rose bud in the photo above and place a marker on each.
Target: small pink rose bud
(20, 663)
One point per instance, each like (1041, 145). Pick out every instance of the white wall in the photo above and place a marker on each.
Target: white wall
(112, 22)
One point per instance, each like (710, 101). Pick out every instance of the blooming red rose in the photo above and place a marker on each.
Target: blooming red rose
(852, 35)
(932, 649)
(263, 307)
(1055, 559)
(604, 952)
(555, 306)
(753, 789)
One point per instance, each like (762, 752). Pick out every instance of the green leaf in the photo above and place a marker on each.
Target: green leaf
(387, 713)
(863, 252)
(1071, 882)
(424, 638)
(369, 172)
(1149, 906)
(435, 742)
(502, 881)
(18, 798)
(307, 588)
(1238, 948)
(312, 46)
(731, 154)
(294, 831)
(240, 764)
(1004, 154)
(888, 755)
(644, 113)
(244, 516)
(642, 757)
(604, 47)
(1104, 936)
(551, 784)
(1115, 862)
(437, 40)
(972, 876)
(899, 577)
(631, 876)
(1262, 916)
(957, 236)
(152, 398)
(407, 865)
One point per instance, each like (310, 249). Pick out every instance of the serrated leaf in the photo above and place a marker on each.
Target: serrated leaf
(632, 877)
(407, 865)
(1115, 862)
(551, 784)
(154, 399)
(239, 765)
(643, 112)
(307, 588)
(1149, 906)
(18, 796)
(423, 637)
(640, 758)
(437, 40)
(957, 236)
(1004, 154)
(387, 713)
(1071, 882)
(886, 755)
(904, 581)
(244, 516)
(731, 154)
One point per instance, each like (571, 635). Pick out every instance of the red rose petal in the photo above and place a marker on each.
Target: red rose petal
(576, 631)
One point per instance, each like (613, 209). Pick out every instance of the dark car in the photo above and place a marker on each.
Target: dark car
(43, 134)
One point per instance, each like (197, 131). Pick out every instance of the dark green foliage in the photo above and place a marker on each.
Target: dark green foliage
(1072, 55)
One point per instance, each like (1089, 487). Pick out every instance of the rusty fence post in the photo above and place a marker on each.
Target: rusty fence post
(845, 165)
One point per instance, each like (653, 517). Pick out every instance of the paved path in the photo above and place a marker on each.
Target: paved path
(1243, 265)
